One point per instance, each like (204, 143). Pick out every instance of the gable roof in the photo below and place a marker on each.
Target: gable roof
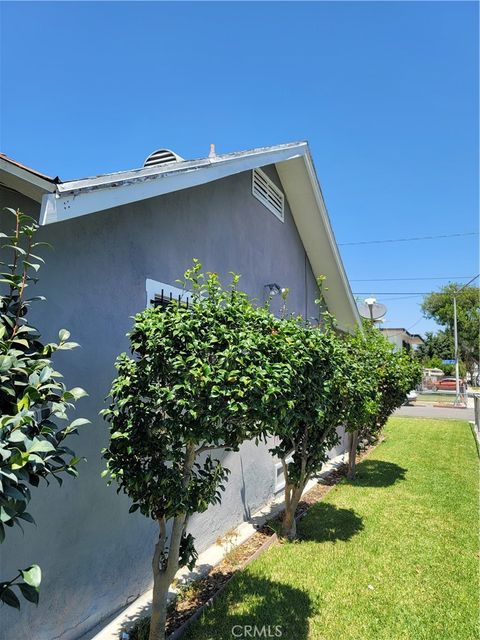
(19, 177)
(414, 338)
(63, 201)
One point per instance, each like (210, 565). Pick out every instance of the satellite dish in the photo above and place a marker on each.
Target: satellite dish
(371, 309)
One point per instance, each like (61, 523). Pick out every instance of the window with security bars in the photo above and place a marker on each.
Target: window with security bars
(160, 294)
(163, 300)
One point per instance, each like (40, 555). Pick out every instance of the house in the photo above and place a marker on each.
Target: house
(401, 338)
(119, 241)
(431, 375)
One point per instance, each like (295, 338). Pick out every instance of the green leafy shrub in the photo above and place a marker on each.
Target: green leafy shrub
(316, 402)
(33, 401)
(380, 379)
(201, 379)
(140, 629)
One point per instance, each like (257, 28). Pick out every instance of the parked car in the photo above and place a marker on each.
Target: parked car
(448, 383)
(411, 397)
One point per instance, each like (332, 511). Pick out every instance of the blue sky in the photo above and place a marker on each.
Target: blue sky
(385, 93)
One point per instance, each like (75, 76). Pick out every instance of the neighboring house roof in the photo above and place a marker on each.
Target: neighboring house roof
(433, 371)
(66, 200)
(19, 177)
(413, 338)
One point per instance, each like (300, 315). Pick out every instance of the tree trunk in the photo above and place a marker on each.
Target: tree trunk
(352, 454)
(164, 570)
(158, 617)
(293, 493)
(160, 586)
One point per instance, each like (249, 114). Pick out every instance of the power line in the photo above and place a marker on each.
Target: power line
(393, 293)
(450, 235)
(402, 279)
(400, 297)
(411, 293)
(469, 282)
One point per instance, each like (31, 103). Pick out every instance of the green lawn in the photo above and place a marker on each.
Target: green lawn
(393, 556)
(436, 397)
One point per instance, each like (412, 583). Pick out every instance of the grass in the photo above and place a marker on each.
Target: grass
(392, 556)
(436, 397)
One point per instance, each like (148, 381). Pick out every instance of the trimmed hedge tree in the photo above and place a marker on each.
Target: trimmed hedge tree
(201, 379)
(316, 404)
(368, 352)
(381, 379)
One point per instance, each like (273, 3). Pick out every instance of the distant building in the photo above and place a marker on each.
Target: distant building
(433, 373)
(401, 338)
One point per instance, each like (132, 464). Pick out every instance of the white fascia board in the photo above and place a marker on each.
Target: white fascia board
(81, 197)
(24, 181)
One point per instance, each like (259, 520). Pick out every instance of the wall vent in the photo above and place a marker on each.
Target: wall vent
(268, 193)
(161, 156)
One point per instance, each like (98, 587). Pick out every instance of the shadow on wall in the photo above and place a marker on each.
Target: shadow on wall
(247, 514)
(377, 473)
(272, 608)
(327, 523)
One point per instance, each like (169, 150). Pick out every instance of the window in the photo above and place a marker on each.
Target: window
(268, 193)
(160, 294)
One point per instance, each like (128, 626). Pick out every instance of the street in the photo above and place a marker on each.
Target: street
(424, 410)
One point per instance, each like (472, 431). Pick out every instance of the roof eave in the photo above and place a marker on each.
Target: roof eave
(82, 197)
(24, 180)
(294, 165)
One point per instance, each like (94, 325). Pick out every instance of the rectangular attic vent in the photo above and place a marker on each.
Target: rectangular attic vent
(268, 193)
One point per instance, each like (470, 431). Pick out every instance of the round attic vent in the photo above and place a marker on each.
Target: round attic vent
(161, 156)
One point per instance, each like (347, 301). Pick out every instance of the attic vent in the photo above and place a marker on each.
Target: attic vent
(268, 193)
(161, 156)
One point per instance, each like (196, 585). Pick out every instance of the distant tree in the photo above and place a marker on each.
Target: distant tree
(437, 363)
(436, 345)
(439, 307)
(201, 379)
(33, 401)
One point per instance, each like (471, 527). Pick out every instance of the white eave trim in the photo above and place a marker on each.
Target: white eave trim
(90, 195)
(81, 197)
(24, 181)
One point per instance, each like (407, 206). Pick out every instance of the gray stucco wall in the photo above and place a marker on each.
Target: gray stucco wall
(94, 555)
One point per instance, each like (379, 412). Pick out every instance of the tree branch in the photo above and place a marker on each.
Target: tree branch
(208, 447)
(179, 521)
(160, 546)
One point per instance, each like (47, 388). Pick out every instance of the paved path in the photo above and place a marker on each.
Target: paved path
(429, 411)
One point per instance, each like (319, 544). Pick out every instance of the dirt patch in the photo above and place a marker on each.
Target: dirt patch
(198, 593)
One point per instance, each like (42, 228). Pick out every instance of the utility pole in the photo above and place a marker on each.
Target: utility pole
(455, 337)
